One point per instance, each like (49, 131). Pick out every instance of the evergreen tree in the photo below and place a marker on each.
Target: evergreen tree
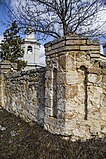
(11, 46)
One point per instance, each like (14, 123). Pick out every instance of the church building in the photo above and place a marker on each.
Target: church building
(31, 49)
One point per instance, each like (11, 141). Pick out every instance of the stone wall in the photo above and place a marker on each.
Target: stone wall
(69, 96)
(81, 88)
(23, 94)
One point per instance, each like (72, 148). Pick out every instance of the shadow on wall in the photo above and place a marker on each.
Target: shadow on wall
(41, 99)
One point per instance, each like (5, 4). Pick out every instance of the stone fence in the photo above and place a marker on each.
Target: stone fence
(68, 97)
(75, 87)
(22, 93)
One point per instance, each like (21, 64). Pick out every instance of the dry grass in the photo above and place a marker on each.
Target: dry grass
(20, 141)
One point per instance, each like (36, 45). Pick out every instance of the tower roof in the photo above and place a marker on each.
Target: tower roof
(30, 36)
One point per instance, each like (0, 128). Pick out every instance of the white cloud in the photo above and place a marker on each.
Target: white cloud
(99, 22)
(23, 6)
(27, 5)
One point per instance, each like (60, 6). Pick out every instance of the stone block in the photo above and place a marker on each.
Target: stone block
(103, 100)
(69, 116)
(104, 71)
(62, 62)
(75, 42)
(58, 45)
(72, 77)
(93, 42)
(70, 126)
(104, 130)
(92, 78)
(79, 133)
(61, 92)
(83, 63)
(94, 70)
(95, 128)
(72, 48)
(89, 48)
(104, 79)
(95, 55)
(48, 49)
(71, 91)
(81, 108)
(48, 53)
(61, 78)
(71, 61)
(74, 36)
(71, 105)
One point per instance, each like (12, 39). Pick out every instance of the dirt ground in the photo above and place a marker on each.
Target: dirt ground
(19, 140)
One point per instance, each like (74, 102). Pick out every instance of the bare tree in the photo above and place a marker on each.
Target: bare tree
(56, 18)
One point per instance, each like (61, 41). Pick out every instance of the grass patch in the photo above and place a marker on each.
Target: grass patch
(19, 140)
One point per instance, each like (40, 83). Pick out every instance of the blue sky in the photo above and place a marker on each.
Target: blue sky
(3, 18)
(3, 27)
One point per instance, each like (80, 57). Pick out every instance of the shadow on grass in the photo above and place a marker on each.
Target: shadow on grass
(18, 140)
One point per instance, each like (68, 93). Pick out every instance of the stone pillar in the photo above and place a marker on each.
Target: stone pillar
(5, 67)
(79, 87)
(55, 87)
(82, 73)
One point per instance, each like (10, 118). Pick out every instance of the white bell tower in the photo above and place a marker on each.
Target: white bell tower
(31, 50)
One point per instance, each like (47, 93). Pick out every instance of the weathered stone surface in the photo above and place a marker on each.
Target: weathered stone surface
(104, 100)
(91, 47)
(24, 94)
(71, 61)
(71, 91)
(84, 89)
(74, 42)
(69, 96)
(72, 77)
(62, 62)
(92, 78)
(78, 133)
